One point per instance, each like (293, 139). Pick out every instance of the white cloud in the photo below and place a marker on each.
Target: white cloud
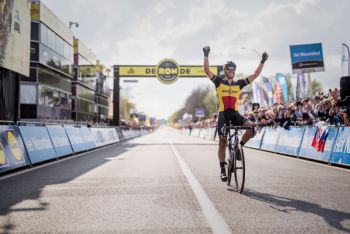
(145, 31)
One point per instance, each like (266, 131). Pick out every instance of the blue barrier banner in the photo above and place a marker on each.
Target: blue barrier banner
(204, 133)
(120, 133)
(212, 133)
(128, 134)
(12, 151)
(341, 148)
(255, 142)
(307, 151)
(195, 132)
(104, 136)
(38, 143)
(76, 139)
(289, 141)
(59, 140)
(89, 139)
(270, 139)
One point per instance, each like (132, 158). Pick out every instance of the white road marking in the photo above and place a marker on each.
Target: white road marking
(214, 218)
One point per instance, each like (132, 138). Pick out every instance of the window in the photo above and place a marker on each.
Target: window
(51, 39)
(41, 90)
(28, 94)
(43, 34)
(59, 46)
(48, 95)
(67, 47)
(34, 32)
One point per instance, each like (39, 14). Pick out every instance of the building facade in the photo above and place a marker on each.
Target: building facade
(46, 73)
(84, 83)
(51, 59)
(14, 54)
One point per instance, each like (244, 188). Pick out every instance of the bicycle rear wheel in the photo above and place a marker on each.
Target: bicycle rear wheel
(239, 169)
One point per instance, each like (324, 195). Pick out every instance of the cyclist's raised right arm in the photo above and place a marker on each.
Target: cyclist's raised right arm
(207, 71)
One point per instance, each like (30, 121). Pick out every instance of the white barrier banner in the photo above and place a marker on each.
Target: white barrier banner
(104, 136)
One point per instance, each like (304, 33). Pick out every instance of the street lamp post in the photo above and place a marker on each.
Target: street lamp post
(259, 56)
(347, 48)
(255, 51)
(71, 23)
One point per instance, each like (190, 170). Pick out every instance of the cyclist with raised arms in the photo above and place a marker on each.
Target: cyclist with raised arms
(228, 92)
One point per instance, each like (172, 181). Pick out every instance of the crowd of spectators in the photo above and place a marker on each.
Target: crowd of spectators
(320, 109)
(135, 124)
(310, 111)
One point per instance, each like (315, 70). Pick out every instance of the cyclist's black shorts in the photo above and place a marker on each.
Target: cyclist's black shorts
(229, 115)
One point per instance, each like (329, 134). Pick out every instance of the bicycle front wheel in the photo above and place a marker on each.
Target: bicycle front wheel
(239, 169)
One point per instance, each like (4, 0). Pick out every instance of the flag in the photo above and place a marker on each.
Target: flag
(302, 85)
(282, 81)
(278, 98)
(264, 98)
(320, 137)
(268, 91)
(345, 60)
(257, 93)
(294, 85)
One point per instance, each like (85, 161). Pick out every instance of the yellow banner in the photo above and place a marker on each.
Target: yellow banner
(137, 71)
(196, 71)
(151, 71)
(35, 11)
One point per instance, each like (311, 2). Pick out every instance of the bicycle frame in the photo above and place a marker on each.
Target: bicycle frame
(235, 134)
(233, 148)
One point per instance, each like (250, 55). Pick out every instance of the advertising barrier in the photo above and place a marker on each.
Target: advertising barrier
(270, 139)
(212, 133)
(38, 143)
(12, 151)
(307, 151)
(289, 141)
(204, 133)
(255, 142)
(76, 139)
(88, 137)
(341, 149)
(59, 140)
(120, 134)
(104, 136)
(195, 132)
(297, 142)
(128, 134)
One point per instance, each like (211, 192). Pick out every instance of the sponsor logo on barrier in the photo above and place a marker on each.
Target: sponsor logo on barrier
(342, 145)
(14, 146)
(60, 141)
(2, 154)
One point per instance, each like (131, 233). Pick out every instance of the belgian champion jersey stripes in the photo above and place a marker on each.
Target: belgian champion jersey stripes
(228, 94)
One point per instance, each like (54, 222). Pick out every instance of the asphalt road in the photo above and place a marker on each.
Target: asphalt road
(168, 182)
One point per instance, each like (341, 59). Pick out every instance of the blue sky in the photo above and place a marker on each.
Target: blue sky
(142, 32)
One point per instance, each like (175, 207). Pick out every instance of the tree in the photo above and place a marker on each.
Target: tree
(316, 87)
(210, 103)
(125, 107)
(195, 100)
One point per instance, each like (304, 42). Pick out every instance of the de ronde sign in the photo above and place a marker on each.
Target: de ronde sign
(307, 58)
(167, 71)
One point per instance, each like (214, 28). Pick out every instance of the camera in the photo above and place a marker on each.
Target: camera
(345, 102)
(345, 105)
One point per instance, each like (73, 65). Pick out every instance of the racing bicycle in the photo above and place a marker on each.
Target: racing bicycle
(235, 161)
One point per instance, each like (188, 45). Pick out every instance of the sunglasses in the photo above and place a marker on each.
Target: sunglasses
(231, 69)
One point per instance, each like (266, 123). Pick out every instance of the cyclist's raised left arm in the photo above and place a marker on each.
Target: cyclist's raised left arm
(259, 68)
